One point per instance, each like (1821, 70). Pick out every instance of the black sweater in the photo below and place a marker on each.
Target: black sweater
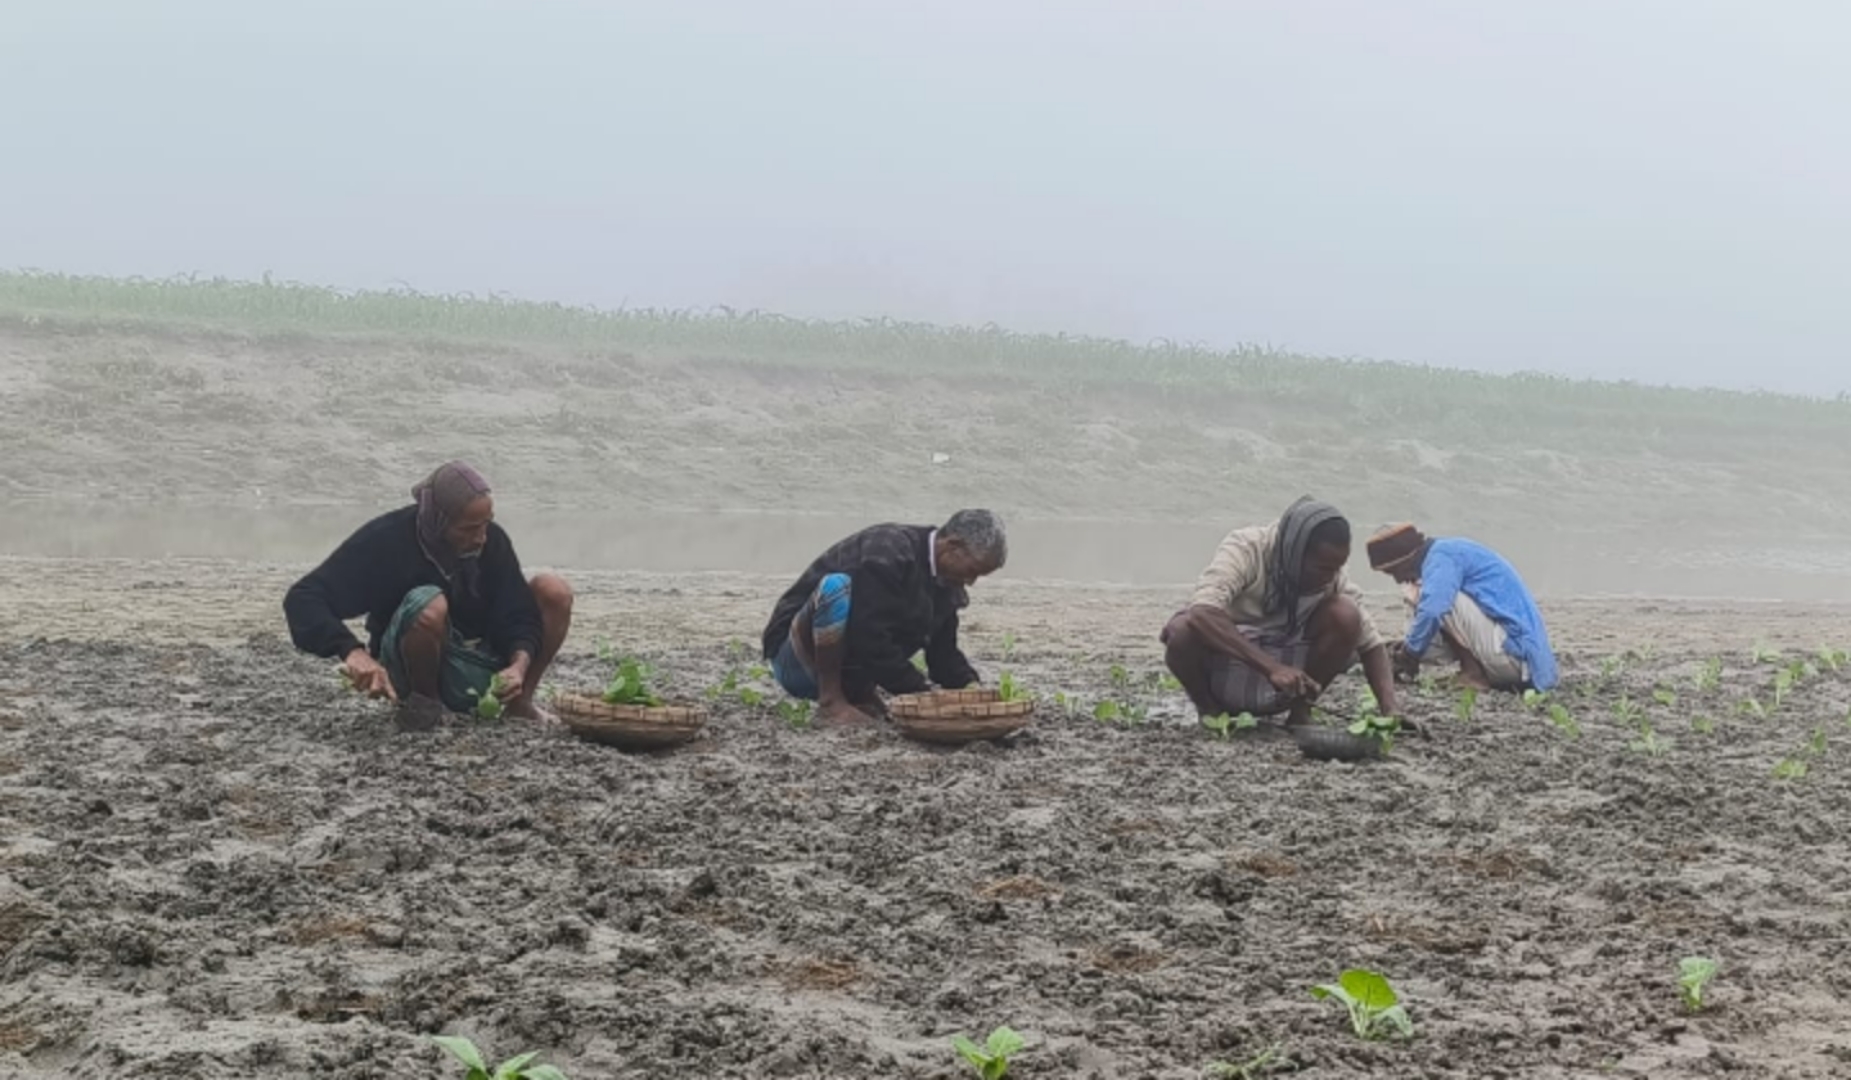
(370, 573)
(896, 608)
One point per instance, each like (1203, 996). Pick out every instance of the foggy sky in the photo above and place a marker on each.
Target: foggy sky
(1649, 190)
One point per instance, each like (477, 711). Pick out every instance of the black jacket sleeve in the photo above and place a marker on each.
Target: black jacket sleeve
(514, 615)
(339, 589)
(946, 662)
(878, 593)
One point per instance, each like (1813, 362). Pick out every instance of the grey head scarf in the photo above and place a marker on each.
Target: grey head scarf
(442, 498)
(1287, 559)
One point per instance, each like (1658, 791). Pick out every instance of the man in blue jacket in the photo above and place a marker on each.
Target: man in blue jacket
(1469, 608)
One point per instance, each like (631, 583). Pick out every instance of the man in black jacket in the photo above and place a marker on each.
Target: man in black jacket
(447, 607)
(852, 623)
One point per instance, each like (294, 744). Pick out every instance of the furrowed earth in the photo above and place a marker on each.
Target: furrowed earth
(215, 863)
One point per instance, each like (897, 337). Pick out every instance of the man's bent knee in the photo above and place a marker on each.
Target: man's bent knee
(1340, 619)
(434, 620)
(552, 592)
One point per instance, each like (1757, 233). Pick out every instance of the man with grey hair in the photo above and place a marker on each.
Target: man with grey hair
(853, 621)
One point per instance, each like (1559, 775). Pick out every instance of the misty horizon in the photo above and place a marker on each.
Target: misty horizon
(1644, 192)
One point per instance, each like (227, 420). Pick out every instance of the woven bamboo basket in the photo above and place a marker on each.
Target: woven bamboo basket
(629, 727)
(959, 716)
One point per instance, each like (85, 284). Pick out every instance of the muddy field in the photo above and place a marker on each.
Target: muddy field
(213, 864)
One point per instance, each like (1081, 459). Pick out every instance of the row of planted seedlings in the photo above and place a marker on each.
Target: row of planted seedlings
(1374, 1009)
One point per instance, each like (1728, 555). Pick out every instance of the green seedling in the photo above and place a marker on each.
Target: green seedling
(1564, 721)
(1783, 685)
(515, 1068)
(1007, 689)
(1121, 679)
(991, 1060)
(1612, 666)
(1816, 744)
(1693, 974)
(1649, 741)
(1168, 682)
(919, 662)
(1466, 705)
(1753, 707)
(1429, 684)
(1702, 725)
(1372, 723)
(1833, 660)
(1709, 680)
(1112, 712)
(1766, 654)
(1665, 697)
(489, 706)
(1791, 768)
(1375, 1010)
(629, 685)
(1273, 1057)
(1009, 643)
(1218, 724)
(1535, 699)
(795, 713)
(1064, 703)
(1627, 711)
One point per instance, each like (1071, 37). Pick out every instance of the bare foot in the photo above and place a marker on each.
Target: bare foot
(840, 714)
(526, 709)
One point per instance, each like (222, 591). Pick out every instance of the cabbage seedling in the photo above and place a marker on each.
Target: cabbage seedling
(795, 713)
(1534, 699)
(1466, 705)
(1766, 654)
(1564, 721)
(489, 706)
(1121, 679)
(1791, 769)
(1665, 697)
(1703, 725)
(1693, 974)
(630, 684)
(1709, 680)
(515, 1068)
(991, 1060)
(1222, 724)
(1009, 643)
(1375, 1010)
(1007, 689)
(1649, 742)
(1754, 708)
(1627, 711)
(1833, 659)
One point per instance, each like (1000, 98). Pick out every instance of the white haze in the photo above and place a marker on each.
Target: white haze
(1645, 190)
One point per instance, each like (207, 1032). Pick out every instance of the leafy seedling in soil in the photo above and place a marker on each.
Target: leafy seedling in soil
(489, 706)
(1627, 711)
(1784, 679)
(1612, 666)
(1371, 723)
(1009, 643)
(1273, 1057)
(1466, 705)
(1564, 721)
(1833, 660)
(1693, 974)
(1535, 699)
(1709, 680)
(1766, 654)
(1753, 707)
(1121, 679)
(1649, 741)
(1007, 689)
(795, 713)
(1112, 712)
(1816, 744)
(515, 1068)
(1665, 697)
(1375, 1010)
(1168, 682)
(991, 1060)
(1223, 725)
(1064, 703)
(1791, 769)
(1702, 725)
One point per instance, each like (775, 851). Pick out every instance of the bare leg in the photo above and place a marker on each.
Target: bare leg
(1187, 656)
(554, 596)
(1471, 672)
(825, 659)
(422, 648)
(1336, 630)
